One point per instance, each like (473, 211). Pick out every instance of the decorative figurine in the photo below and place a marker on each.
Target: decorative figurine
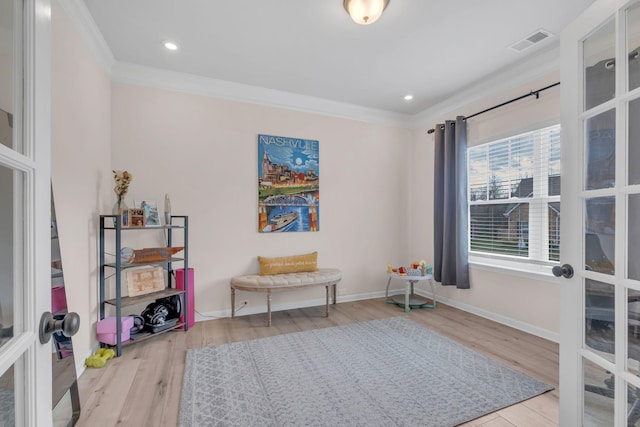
(423, 268)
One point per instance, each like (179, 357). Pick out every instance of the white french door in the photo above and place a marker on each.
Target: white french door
(600, 319)
(25, 276)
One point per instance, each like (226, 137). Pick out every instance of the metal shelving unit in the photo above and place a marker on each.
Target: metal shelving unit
(118, 266)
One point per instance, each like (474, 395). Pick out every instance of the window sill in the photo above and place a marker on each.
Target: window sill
(513, 268)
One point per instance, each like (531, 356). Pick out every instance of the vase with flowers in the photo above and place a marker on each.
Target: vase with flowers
(122, 179)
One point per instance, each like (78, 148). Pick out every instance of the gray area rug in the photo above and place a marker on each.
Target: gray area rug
(390, 372)
(7, 409)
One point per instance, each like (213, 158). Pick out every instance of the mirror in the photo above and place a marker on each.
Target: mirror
(65, 385)
(7, 180)
(7, 248)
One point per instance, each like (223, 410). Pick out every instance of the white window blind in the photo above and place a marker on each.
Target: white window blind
(514, 196)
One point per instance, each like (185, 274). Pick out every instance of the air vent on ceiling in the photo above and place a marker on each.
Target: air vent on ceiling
(531, 40)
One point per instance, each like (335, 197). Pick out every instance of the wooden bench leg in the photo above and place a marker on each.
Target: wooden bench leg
(269, 308)
(233, 302)
(335, 293)
(326, 313)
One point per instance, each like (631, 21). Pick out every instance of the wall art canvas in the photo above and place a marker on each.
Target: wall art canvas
(288, 184)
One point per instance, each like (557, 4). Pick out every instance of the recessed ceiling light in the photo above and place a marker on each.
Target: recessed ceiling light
(171, 46)
(408, 97)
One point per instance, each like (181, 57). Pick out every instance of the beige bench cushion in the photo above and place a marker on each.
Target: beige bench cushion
(275, 282)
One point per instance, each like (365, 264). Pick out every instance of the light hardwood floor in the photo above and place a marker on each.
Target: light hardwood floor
(142, 388)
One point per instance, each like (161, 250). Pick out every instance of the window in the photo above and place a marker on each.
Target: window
(514, 196)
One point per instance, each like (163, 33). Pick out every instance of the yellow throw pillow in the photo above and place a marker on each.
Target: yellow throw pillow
(288, 264)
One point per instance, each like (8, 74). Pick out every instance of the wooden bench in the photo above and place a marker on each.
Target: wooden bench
(327, 277)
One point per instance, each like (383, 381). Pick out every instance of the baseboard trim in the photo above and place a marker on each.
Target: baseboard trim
(262, 308)
(80, 365)
(507, 321)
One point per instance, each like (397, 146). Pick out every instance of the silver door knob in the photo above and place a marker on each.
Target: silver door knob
(68, 325)
(566, 271)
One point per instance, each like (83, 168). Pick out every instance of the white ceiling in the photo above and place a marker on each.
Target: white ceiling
(429, 48)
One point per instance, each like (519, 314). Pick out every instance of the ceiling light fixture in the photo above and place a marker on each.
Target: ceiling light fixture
(365, 12)
(171, 46)
(408, 97)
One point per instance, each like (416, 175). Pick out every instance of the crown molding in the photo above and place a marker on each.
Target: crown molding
(530, 68)
(170, 80)
(79, 15)
(188, 83)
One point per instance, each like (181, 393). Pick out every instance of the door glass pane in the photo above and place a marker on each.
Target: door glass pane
(634, 142)
(7, 401)
(601, 151)
(599, 324)
(633, 232)
(633, 43)
(7, 250)
(633, 331)
(63, 411)
(600, 235)
(598, 395)
(633, 406)
(8, 89)
(599, 66)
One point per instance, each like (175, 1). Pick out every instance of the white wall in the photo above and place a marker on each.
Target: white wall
(203, 152)
(528, 303)
(376, 187)
(81, 174)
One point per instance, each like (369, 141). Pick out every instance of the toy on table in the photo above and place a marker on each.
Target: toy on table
(99, 359)
(417, 269)
(402, 271)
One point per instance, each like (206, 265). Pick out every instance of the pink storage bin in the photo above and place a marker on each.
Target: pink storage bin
(192, 297)
(106, 329)
(58, 299)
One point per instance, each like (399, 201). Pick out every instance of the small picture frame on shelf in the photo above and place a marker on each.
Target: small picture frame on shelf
(124, 217)
(150, 208)
(141, 281)
(136, 217)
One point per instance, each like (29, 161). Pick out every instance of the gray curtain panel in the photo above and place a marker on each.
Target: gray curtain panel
(450, 211)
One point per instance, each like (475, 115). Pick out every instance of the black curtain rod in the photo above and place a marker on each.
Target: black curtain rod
(535, 93)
